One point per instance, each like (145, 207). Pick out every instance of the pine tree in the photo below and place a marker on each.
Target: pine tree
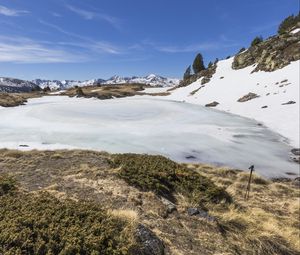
(288, 23)
(187, 73)
(198, 64)
(256, 40)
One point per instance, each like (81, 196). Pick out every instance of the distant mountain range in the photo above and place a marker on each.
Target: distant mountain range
(17, 85)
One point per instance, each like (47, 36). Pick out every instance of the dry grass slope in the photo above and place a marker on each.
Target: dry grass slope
(130, 188)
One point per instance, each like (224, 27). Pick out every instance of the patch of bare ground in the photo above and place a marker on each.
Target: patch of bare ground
(16, 99)
(110, 91)
(268, 223)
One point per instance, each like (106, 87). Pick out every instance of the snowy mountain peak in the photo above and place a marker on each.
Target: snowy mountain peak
(6, 84)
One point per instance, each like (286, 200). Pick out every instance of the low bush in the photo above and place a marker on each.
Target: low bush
(43, 225)
(165, 178)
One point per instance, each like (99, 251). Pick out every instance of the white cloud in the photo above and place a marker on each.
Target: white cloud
(214, 45)
(85, 42)
(89, 15)
(24, 50)
(11, 12)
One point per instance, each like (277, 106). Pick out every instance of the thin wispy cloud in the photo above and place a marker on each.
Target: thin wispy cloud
(85, 42)
(56, 14)
(11, 12)
(191, 47)
(90, 15)
(24, 50)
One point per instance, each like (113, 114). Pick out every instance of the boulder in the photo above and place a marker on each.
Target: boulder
(296, 151)
(247, 97)
(289, 102)
(212, 104)
(148, 242)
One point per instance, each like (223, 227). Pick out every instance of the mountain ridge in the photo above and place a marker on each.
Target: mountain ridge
(8, 84)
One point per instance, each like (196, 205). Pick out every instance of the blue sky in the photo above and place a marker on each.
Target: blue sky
(84, 39)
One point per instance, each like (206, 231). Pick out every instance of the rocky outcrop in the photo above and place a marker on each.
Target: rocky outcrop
(274, 53)
(289, 102)
(212, 104)
(204, 74)
(149, 243)
(247, 97)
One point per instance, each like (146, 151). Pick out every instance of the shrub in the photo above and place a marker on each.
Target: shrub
(241, 50)
(165, 178)
(7, 185)
(288, 23)
(257, 40)
(41, 224)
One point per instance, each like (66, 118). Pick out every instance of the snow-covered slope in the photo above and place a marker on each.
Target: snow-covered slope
(12, 85)
(152, 79)
(274, 89)
(65, 84)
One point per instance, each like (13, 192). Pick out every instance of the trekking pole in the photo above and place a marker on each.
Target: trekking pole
(249, 183)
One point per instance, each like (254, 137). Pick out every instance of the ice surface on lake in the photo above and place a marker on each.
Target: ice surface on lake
(181, 131)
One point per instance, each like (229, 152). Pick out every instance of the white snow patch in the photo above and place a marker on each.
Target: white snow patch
(274, 88)
(295, 31)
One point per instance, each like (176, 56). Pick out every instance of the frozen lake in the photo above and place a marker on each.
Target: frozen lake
(181, 131)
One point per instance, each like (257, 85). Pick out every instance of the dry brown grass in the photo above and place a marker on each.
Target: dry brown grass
(16, 99)
(108, 91)
(268, 222)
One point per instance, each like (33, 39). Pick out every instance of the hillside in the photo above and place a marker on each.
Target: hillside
(261, 83)
(11, 85)
(85, 202)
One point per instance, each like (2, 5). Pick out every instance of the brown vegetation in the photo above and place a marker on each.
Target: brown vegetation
(16, 99)
(127, 187)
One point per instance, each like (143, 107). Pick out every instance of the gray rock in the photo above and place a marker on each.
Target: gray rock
(289, 102)
(193, 211)
(200, 213)
(171, 207)
(247, 97)
(149, 243)
(296, 182)
(213, 104)
(296, 151)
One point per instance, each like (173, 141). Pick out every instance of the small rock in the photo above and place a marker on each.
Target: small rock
(213, 104)
(265, 106)
(200, 213)
(296, 182)
(296, 151)
(267, 94)
(222, 77)
(247, 97)
(289, 102)
(193, 211)
(149, 243)
(24, 145)
(205, 215)
(190, 157)
(171, 207)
